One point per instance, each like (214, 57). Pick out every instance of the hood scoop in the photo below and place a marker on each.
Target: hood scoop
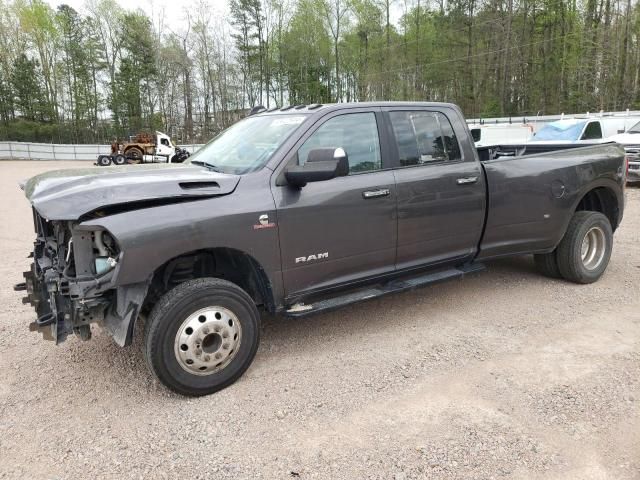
(197, 185)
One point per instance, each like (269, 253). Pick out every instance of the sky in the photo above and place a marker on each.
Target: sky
(173, 10)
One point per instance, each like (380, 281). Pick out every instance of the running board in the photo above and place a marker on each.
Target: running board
(393, 286)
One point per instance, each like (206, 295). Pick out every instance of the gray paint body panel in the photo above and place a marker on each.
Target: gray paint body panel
(333, 217)
(69, 194)
(152, 236)
(525, 215)
(439, 220)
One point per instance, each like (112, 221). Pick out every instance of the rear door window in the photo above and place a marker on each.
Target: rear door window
(424, 138)
(451, 145)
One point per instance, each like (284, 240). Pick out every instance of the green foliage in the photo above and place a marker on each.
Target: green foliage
(134, 79)
(27, 88)
(307, 58)
(491, 109)
(111, 72)
(78, 67)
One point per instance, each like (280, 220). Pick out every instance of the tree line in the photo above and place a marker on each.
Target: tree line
(109, 72)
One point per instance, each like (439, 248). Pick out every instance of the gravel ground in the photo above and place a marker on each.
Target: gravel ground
(505, 374)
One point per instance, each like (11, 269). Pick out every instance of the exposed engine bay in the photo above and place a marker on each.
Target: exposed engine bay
(75, 278)
(70, 281)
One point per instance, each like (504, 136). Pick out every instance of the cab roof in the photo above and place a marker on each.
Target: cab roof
(315, 107)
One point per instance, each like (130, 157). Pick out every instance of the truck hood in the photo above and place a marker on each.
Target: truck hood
(626, 138)
(70, 194)
(586, 143)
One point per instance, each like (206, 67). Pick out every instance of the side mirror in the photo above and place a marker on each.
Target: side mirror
(322, 164)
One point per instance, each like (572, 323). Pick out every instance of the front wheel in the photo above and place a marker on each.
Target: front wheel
(585, 249)
(201, 336)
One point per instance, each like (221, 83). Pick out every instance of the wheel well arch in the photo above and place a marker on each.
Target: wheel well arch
(603, 200)
(230, 264)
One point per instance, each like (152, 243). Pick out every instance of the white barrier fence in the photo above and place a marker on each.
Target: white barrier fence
(55, 151)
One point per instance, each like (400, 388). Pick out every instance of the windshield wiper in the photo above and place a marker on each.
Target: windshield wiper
(210, 166)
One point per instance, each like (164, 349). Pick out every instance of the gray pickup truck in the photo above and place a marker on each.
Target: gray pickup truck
(297, 211)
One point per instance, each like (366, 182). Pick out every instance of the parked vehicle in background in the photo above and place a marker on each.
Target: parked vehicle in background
(559, 135)
(586, 131)
(299, 211)
(630, 140)
(502, 133)
(144, 148)
(573, 130)
(563, 134)
(570, 133)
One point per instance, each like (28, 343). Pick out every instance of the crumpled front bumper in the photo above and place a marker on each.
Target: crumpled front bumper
(57, 313)
(44, 302)
(70, 306)
(66, 302)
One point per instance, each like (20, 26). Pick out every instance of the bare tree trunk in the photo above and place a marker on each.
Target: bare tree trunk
(622, 73)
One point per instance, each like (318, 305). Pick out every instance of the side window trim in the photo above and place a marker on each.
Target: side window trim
(386, 139)
(444, 144)
(439, 116)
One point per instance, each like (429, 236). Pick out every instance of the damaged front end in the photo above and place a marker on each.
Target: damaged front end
(71, 283)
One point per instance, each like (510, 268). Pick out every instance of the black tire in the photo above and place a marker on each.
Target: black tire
(119, 159)
(134, 155)
(104, 160)
(569, 252)
(547, 264)
(178, 305)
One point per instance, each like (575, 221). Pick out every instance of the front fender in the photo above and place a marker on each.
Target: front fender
(149, 237)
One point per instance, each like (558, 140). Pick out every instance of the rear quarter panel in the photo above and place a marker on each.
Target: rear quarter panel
(532, 198)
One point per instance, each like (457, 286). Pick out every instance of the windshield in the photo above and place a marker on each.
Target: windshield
(635, 128)
(247, 145)
(560, 131)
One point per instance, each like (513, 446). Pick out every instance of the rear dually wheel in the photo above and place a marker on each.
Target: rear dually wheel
(547, 264)
(584, 251)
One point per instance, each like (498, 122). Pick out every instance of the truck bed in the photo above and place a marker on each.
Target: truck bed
(492, 152)
(532, 197)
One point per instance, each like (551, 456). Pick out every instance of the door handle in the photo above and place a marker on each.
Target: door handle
(466, 180)
(383, 192)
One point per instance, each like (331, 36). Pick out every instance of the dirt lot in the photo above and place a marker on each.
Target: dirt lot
(505, 374)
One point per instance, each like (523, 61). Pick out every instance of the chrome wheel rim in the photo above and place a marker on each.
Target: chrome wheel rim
(208, 340)
(593, 248)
